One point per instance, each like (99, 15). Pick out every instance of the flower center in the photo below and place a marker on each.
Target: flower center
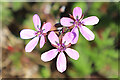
(39, 33)
(77, 22)
(61, 47)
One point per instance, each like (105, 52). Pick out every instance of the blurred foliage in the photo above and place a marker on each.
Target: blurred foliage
(17, 6)
(15, 58)
(82, 5)
(95, 9)
(99, 56)
(29, 22)
(6, 13)
(45, 72)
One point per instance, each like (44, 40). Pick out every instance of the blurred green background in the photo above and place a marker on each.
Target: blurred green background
(98, 58)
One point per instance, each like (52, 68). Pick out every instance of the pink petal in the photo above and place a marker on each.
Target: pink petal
(46, 27)
(61, 62)
(77, 12)
(76, 35)
(88, 34)
(53, 38)
(72, 53)
(49, 55)
(90, 20)
(42, 41)
(27, 34)
(37, 22)
(31, 45)
(66, 21)
(67, 38)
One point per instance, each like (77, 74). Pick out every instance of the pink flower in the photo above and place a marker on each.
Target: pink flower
(78, 21)
(40, 33)
(61, 46)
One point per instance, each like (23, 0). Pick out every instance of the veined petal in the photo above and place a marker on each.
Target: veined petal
(42, 41)
(90, 20)
(27, 33)
(76, 35)
(49, 55)
(53, 38)
(37, 22)
(66, 21)
(72, 53)
(88, 34)
(31, 45)
(61, 62)
(46, 27)
(77, 12)
(67, 38)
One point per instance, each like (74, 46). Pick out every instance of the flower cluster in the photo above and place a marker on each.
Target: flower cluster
(64, 40)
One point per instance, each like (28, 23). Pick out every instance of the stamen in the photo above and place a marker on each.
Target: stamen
(64, 42)
(39, 33)
(57, 43)
(38, 26)
(81, 17)
(71, 16)
(76, 17)
(43, 29)
(72, 22)
(61, 47)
